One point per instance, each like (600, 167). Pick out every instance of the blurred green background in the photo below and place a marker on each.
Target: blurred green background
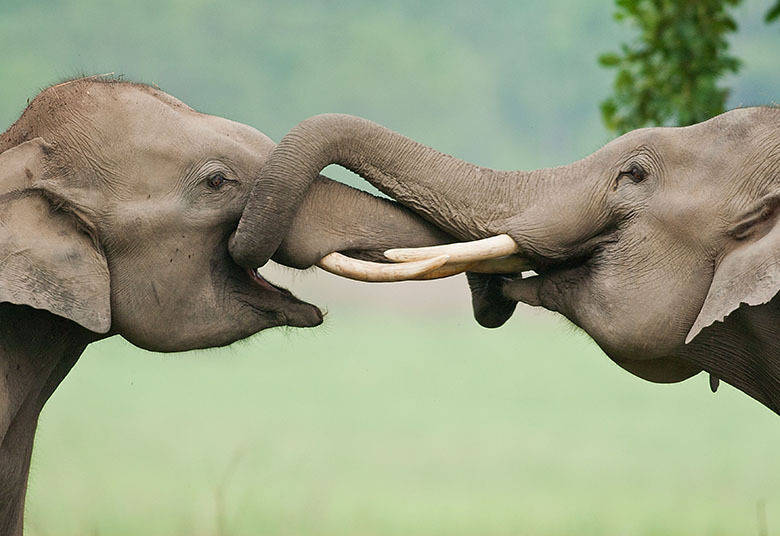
(399, 415)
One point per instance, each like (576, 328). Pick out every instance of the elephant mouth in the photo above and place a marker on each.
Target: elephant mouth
(291, 310)
(548, 267)
(564, 271)
(259, 280)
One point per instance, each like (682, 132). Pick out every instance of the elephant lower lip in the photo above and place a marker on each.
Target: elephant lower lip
(297, 313)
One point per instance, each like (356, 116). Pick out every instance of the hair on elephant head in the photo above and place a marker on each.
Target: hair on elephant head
(664, 245)
(116, 205)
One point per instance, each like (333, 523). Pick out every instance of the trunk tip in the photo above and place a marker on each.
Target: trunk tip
(243, 251)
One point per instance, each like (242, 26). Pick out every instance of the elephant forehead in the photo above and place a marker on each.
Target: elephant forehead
(735, 125)
(140, 120)
(139, 137)
(238, 133)
(157, 119)
(718, 141)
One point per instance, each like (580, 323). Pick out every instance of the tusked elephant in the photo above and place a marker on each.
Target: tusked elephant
(664, 245)
(116, 205)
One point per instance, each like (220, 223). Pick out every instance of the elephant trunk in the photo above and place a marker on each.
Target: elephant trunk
(335, 217)
(457, 196)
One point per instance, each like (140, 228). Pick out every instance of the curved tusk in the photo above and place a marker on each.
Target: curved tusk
(477, 250)
(339, 264)
(505, 265)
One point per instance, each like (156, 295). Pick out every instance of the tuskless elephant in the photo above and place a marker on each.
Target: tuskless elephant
(116, 205)
(664, 245)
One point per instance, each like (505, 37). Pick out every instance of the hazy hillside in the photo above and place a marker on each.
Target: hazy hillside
(509, 84)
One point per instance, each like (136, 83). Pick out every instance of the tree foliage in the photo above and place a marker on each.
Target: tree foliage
(773, 13)
(671, 73)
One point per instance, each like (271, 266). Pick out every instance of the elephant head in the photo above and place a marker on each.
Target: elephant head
(117, 204)
(664, 245)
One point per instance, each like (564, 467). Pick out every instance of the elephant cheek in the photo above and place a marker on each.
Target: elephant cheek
(566, 293)
(630, 329)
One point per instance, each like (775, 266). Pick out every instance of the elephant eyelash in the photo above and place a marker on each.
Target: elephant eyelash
(635, 173)
(218, 180)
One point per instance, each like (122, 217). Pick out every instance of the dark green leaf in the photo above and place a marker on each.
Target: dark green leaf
(609, 60)
(669, 72)
(773, 13)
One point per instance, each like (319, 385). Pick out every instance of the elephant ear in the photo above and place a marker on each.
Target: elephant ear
(49, 258)
(750, 272)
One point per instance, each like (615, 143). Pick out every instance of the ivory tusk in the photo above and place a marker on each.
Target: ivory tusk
(504, 265)
(460, 252)
(344, 266)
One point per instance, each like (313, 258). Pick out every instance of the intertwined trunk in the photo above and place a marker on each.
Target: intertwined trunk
(457, 196)
(335, 217)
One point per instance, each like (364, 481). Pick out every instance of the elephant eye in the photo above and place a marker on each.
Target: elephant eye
(636, 173)
(216, 181)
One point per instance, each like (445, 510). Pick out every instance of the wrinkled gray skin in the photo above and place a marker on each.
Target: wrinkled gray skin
(113, 220)
(647, 243)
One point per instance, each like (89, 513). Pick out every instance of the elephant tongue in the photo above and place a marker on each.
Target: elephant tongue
(259, 280)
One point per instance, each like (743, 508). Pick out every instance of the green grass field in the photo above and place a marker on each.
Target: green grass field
(379, 424)
(386, 422)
